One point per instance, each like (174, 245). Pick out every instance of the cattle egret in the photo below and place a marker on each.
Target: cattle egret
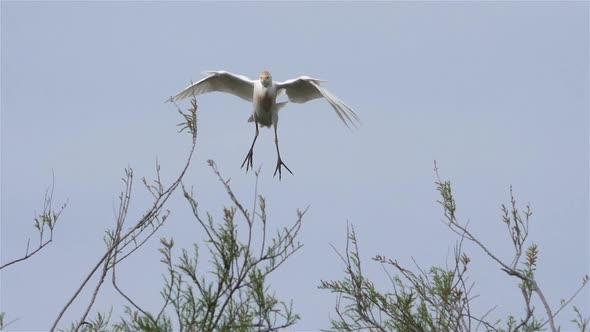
(263, 94)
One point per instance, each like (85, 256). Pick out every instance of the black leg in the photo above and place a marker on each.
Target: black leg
(279, 161)
(248, 160)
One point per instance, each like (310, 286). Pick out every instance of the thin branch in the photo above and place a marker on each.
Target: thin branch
(26, 256)
(48, 218)
(566, 303)
(230, 192)
(114, 281)
(151, 213)
(94, 294)
(449, 205)
(124, 201)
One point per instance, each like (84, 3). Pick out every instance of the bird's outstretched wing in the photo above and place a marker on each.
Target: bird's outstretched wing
(304, 89)
(221, 81)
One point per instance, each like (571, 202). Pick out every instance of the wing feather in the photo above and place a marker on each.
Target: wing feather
(219, 81)
(304, 89)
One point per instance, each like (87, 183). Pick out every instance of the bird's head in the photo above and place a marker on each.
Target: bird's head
(265, 78)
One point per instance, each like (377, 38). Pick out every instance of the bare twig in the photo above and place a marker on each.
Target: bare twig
(124, 201)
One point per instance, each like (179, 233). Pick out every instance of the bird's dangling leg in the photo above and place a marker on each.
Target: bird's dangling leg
(279, 161)
(248, 160)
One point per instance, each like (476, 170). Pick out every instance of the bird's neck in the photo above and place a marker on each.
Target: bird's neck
(267, 90)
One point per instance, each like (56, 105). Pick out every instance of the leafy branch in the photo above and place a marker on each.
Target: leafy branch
(45, 222)
(438, 299)
(232, 295)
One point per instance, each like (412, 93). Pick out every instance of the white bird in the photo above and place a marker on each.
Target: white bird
(263, 94)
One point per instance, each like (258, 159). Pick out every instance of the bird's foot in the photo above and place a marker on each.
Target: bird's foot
(280, 163)
(248, 160)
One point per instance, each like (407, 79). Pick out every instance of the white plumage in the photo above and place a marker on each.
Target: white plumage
(263, 94)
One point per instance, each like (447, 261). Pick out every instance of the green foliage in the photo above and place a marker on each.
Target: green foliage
(45, 222)
(98, 324)
(434, 300)
(137, 322)
(438, 299)
(229, 292)
(190, 119)
(234, 296)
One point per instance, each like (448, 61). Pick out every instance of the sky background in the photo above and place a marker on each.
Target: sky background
(497, 93)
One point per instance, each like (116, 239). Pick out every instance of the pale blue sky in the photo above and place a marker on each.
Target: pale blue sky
(497, 93)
